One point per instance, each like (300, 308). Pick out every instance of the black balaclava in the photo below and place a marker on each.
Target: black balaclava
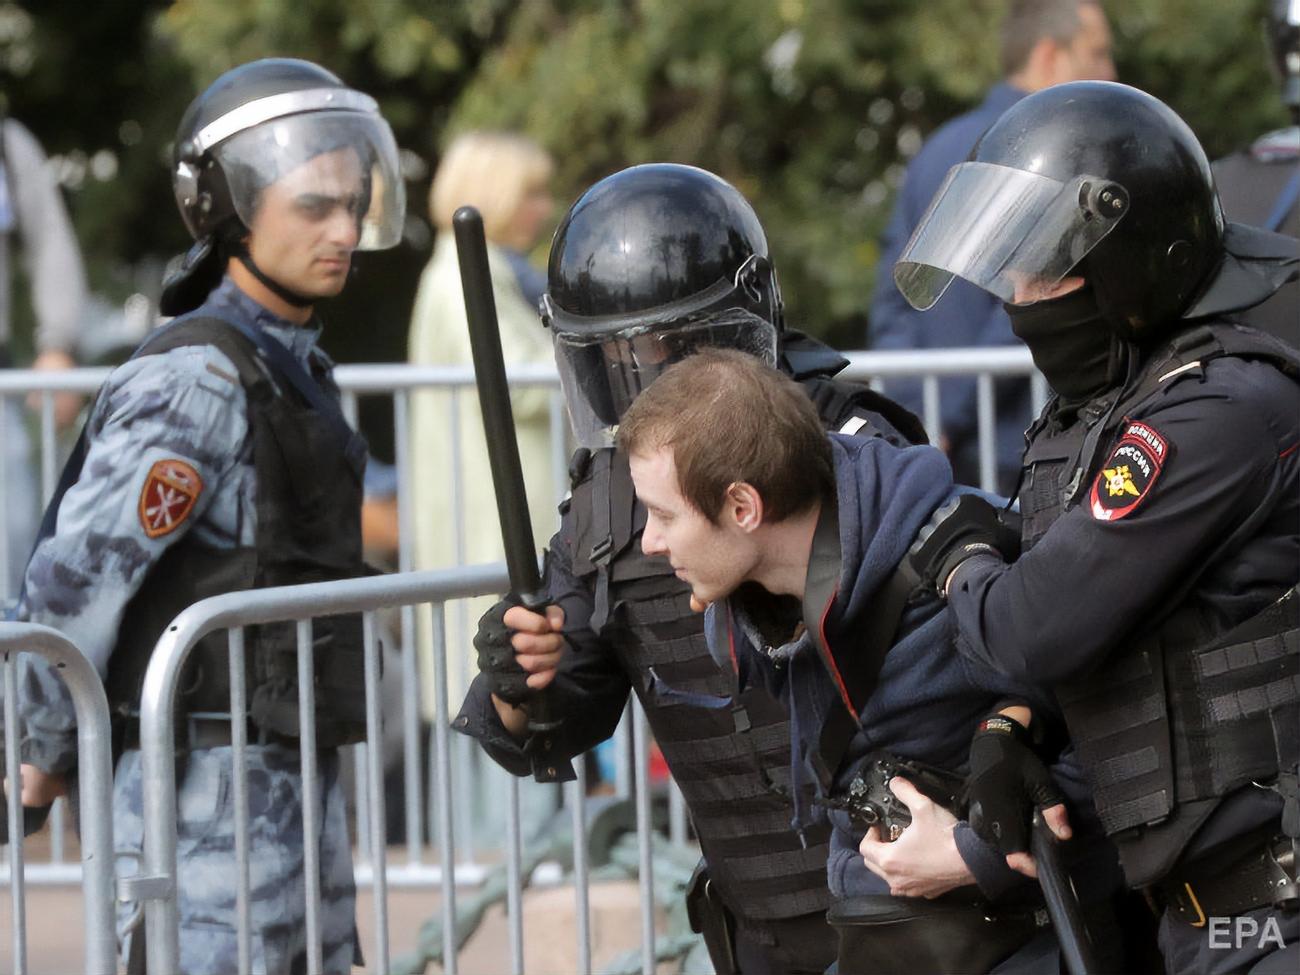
(1072, 344)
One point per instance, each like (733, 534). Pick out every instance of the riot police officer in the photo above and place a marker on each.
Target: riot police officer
(1160, 502)
(650, 264)
(218, 459)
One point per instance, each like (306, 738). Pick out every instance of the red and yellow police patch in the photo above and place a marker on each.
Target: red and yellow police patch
(170, 490)
(1128, 475)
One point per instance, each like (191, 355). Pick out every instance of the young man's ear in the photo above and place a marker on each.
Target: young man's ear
(744, 506)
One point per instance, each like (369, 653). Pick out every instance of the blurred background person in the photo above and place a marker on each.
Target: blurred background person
(507, 177)
(35, 223)
(1043, 43)
(1260, 185)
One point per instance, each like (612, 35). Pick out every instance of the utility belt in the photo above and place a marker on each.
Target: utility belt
(1229, 884)
(195, 732)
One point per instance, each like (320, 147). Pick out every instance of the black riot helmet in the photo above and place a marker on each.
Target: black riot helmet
(649, 265)
(1284, 44)
(253, 125)
(1100, 180)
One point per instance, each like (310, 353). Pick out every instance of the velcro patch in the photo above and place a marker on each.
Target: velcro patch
(168, 496)
(1129, 473)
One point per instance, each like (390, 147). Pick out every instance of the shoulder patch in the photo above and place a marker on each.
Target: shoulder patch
(170, 489)
(1129, 473)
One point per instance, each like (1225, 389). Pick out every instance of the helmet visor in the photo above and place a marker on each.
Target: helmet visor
(1013, 233)
(320, 165)
(602, 374)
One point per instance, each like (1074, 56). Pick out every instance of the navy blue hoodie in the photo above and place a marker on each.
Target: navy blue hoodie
(928, 699)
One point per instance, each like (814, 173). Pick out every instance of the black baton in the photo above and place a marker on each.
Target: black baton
(1062, 902)
(499, 429)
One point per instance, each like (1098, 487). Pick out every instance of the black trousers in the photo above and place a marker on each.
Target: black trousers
(791, 946)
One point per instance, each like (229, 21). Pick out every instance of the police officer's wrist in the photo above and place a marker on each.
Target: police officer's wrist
(959, 557)
(1003, 725)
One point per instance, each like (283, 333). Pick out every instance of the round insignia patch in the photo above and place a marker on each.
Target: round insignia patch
(168, 496)
(1129, 473)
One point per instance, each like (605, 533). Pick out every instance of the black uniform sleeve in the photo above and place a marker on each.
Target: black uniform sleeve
(590, 688)
(1127, 551)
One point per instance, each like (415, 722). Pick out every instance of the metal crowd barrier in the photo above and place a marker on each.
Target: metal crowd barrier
(460, 818)
(95, 787)
(157, 884)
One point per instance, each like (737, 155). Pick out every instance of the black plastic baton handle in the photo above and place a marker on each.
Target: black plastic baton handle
(1062, 902)
(499, 429)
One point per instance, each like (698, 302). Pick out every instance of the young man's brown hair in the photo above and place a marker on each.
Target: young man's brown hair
(728, 417)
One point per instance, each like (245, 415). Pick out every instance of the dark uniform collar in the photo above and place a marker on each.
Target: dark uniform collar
(301, 340)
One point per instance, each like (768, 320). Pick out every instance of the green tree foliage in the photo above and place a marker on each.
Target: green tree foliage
(812, 107)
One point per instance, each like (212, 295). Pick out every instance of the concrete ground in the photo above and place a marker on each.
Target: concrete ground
(54, 925)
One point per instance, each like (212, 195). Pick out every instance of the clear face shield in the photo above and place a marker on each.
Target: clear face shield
(602, 374)
(1015, 234)
(327, 159)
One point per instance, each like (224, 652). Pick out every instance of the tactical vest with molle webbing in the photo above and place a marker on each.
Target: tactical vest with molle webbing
(732, 763)
(308, 469)
(1186, 713)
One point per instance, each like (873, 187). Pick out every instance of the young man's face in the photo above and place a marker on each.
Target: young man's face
(713, 559)
(308, 224)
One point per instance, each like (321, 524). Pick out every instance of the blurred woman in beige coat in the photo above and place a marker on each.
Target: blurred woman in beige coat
(507, 177)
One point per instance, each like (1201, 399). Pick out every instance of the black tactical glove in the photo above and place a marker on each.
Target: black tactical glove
(33, 816)
(496, 657)
(1008, 781)
(965, 526)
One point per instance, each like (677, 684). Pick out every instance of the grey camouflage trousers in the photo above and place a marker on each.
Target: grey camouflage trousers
(207, 871)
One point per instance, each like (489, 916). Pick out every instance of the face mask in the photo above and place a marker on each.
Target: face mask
(1071, 343)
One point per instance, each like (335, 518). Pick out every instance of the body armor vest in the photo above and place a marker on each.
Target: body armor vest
(732, 763)
(1187, 713)
(308, 497)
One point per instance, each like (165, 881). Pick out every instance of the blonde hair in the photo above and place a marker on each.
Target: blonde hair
(492, 171)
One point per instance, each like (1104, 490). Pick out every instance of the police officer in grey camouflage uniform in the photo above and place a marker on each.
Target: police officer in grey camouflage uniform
(217, 459)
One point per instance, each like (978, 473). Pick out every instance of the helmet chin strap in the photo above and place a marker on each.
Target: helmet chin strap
(279, 290)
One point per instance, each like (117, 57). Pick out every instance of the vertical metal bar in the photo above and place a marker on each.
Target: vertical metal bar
(446, 834)
(401, 456)
(49, 448)
(644, 826)
(469, 756)
(411, 739)
(581, 871)
(239, 787)
(374, 745)
(14, 810)
(412, 773)
(1038, 392)
(930, 407)
(622, 755)
(5, 554)
(514, 880)
(988, 437)
(49, 477)
(58, 828)
(356, 755)
(676, 814)
(310, 792)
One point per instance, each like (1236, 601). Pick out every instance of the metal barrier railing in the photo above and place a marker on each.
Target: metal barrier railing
(400, 381)
(95, 788)
(156, 886)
